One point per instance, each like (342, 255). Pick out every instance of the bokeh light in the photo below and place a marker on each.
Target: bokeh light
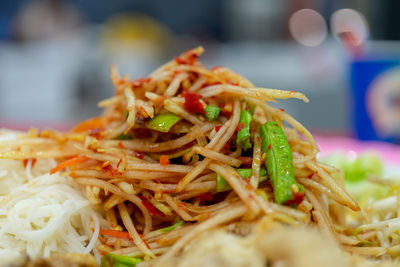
(308, 27)
(349, 25)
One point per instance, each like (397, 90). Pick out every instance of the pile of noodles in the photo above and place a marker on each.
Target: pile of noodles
(116, 159)
(42, 214)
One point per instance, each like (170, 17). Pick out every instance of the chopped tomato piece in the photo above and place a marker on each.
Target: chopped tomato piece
(227, 110)
(298, 198)
(192, 103)
(205, 197)
(138, 154)
(164, 160)
(228, 144)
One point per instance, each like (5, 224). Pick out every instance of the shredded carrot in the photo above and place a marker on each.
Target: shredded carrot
(67, 163)
(93, 123)
(115, 233)
(164, 160)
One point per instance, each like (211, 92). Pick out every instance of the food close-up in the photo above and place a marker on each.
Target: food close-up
(193, 164)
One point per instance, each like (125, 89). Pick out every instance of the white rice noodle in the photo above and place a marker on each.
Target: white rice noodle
(42, 213)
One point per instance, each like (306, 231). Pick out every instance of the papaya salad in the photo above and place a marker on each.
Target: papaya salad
(189, 149)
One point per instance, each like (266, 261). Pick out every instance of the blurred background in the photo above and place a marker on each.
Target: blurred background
(344, 55)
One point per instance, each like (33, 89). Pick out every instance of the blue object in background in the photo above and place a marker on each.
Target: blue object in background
(364, 76)
(5, 28)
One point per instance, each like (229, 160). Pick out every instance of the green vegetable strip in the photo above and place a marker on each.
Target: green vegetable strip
(222, 184)
(111, 260)
(263, 174)
(212, 112)
(251, 107)
(163, 122)
(126, 114)
(172, 227)
(243, 136)
(279, 162)
(245, 173)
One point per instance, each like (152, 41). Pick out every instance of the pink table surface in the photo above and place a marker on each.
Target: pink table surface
(390, 153)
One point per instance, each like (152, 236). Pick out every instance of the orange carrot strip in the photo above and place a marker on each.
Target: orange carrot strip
(93, 123)
(67, 163)
(115, 233)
